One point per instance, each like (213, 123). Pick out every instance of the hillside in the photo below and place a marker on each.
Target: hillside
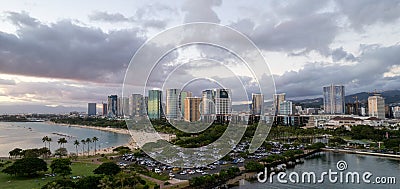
(392, 97)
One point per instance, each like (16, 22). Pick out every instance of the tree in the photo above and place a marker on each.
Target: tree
(31, 152)
(60, 184)
(129, 180)
(76, 143)
(61, 166)
(88, 141)
(317, 145)
(44, 140)
(49, 141)
(26, 167)
(62, 141)
(61, 152)
(122, 150)
(83, 146)
(91, 182)
(95, 139)
(107, 168)
(16, 152)
(106, 183)
(45, 152)
(254, 166)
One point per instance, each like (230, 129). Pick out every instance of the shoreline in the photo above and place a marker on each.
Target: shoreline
(361, 153)
(108, 129)
(109, 150)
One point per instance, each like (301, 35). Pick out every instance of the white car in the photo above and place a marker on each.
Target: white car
(157, 170)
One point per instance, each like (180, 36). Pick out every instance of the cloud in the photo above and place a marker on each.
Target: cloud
(67, 50)
(7, 82)
(299, 8)
(368, 12)
(147, 16)
(22, 19)
(312, 32)
(108, 17)
(339, 54)
(366, 75)
(201, 11)
(62, 92)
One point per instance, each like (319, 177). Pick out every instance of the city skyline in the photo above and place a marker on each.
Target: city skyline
(57, 60)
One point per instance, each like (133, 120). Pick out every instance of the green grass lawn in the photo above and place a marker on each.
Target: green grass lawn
(83, 169)
(11, 182)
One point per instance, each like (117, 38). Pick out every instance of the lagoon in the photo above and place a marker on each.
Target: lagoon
(26, 135)
(378, 166)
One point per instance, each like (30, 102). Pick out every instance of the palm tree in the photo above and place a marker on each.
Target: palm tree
(83, 146)
(44, 140)
(76, 143)
(88, 141)
(106, 183)
(95, 139)
(49, 140)
(62, 141)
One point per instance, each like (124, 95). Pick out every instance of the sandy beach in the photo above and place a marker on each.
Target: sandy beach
(131, 144)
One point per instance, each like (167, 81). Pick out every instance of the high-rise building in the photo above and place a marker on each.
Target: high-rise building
(137, 105)
(119, 106)
(376, 106)
(123, 106)
(146, 104)
(363, 111)
(286, 108)
(112, 106)
(299, 110)
(172, 104)
(92, 109)
(182, 98)
(105, 109)
(396, 112)
(154, 110)
(278, 98)
(208, 107)
(334, 99)
(223, 103)
(257, 104)
(192, 108)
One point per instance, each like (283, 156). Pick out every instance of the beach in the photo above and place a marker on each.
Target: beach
(131, 144)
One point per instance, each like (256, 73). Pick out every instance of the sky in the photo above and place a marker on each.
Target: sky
(56, 56)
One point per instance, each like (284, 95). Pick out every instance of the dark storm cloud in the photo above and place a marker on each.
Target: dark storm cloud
(368, 12)
(201, 11)
(312, 32)
(66, 50)
(366, 75)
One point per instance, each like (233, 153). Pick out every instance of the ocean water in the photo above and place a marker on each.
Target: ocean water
(26, 135)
